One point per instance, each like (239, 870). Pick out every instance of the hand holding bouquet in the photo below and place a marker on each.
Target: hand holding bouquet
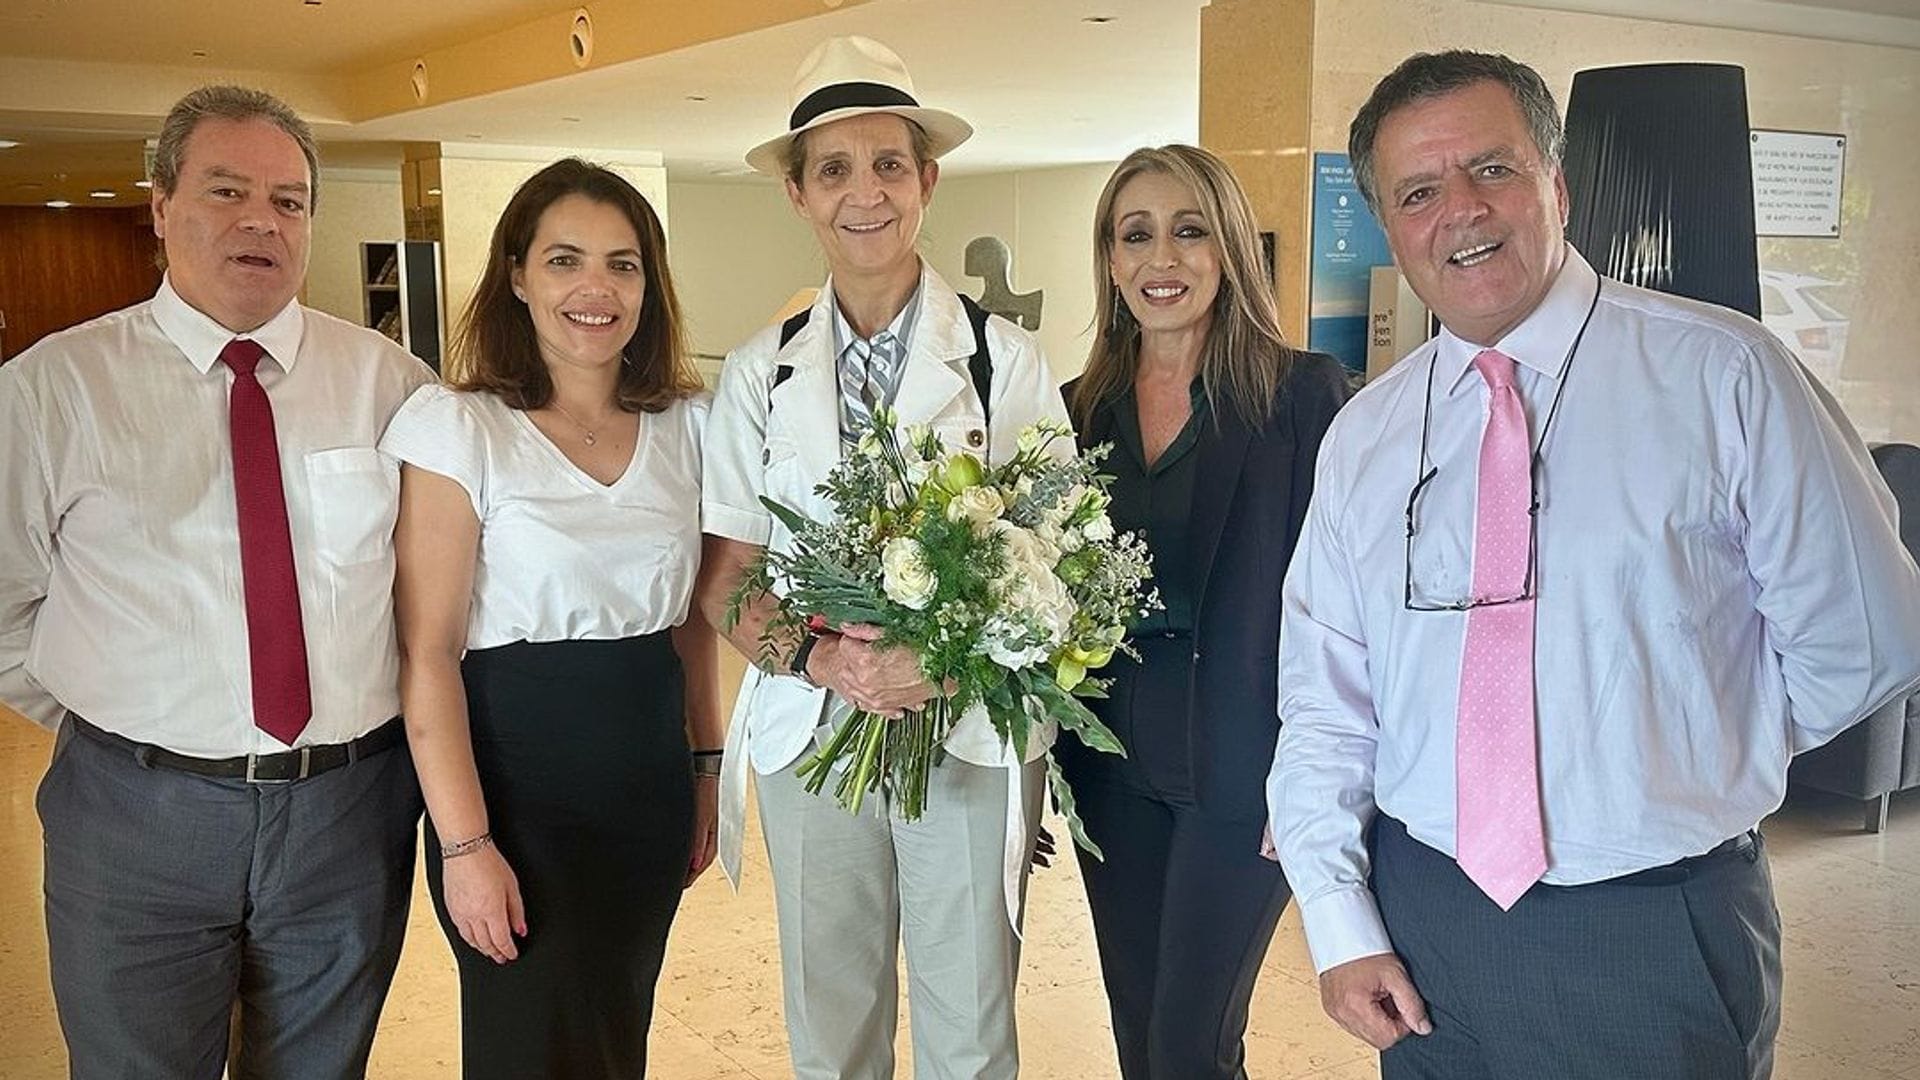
(1008, 583)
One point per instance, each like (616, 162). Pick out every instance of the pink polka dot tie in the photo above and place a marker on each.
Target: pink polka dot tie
(1500, 843)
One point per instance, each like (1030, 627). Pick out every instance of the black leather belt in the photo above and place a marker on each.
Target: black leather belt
(1746, 846)
(280, 768)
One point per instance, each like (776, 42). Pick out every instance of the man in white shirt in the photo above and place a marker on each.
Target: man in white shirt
(195, 589)
(1579, 577)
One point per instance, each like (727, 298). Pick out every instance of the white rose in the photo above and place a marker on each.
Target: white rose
(1099, 530)
(904, 573)
(980, 504)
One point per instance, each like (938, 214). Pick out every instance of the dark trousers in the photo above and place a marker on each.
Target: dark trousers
(1670, 974)
(173, 898)
(1183, 910)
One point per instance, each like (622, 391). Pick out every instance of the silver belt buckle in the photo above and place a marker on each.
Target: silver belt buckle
(306, 760)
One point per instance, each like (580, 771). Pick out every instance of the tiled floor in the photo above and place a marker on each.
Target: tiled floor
(1851, 904)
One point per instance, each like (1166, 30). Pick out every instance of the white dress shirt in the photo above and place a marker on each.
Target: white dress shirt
(1720, 585)
(120, 590)
(562, 556)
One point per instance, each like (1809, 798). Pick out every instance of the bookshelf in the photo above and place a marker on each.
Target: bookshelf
(400, 289)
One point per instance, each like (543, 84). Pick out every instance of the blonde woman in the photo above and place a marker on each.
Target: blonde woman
(1215, 422)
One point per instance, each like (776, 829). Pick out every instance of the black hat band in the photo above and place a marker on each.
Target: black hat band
(847, 95)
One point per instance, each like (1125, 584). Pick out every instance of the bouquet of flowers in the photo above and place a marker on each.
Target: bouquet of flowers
(1009, 583)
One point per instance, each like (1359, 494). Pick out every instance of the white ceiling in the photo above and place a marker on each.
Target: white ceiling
(1040, 85)
(1043, 85)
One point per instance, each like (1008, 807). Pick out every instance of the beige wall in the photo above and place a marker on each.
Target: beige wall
(477, 182)
(1869, 93)
(739, 252)
(355, 205)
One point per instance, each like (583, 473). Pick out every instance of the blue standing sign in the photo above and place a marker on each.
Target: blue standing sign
(1347, 244)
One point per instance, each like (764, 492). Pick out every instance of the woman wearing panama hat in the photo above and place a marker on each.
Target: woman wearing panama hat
(859, 163)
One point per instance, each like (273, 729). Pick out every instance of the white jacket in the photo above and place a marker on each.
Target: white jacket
(781, 441)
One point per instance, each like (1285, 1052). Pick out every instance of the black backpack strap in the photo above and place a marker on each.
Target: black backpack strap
(980, 364)
(787, 329)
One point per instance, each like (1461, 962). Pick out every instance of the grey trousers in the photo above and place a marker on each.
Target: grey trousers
(173, 898)
(847, 889)
(1670, 974)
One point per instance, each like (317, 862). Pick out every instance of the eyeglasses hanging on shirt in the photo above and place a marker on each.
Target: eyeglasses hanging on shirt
(1420, 599)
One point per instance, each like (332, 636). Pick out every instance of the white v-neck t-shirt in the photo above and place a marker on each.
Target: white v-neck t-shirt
(563, 557)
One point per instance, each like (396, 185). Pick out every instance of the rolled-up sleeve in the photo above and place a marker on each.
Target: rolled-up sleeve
(26, 548)
(1837, 590)
(733, 476)
(1320, 790)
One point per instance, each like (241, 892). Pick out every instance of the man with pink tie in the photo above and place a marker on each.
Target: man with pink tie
(1579, 577)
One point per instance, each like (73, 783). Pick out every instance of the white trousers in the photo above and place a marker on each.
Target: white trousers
(848, 889)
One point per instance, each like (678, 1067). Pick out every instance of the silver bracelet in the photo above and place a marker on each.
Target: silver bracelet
(465, 847)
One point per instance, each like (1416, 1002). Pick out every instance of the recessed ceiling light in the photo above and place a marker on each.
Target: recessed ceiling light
(434, 191)
(570, 119)
(696, 97)
(199, 54)
(103, 193)
(143, 184)
(7, 144)
(1097, 20)
(475, 135)
(58, 204)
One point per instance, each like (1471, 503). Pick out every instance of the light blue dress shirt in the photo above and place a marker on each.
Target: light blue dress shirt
(1721, 585)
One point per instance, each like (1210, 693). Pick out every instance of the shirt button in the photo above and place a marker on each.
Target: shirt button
(976, 438)
(766, 456)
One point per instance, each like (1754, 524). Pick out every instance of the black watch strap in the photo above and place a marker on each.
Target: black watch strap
(798, 665)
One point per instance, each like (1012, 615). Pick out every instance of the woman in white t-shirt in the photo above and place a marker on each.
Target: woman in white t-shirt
(554, 676)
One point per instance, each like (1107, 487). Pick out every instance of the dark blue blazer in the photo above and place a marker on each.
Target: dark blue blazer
(1247, 513)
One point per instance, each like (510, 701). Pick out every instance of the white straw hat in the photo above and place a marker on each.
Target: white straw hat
(852, 76)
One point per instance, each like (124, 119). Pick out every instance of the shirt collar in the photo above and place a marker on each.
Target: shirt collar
(901, 327)
(1543, 339)
(196, 334)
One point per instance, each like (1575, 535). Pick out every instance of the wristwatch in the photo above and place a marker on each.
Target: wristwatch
(798, 665)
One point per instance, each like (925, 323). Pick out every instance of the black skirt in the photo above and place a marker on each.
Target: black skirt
(582, 753)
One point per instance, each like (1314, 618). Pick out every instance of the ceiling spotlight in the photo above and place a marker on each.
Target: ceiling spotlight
(475, 135)
(199, 54)
(145, 185)
(58, 204)
(7, 144)
(696, 97)
(103, 193)
(434, 192)
(1097, 20)
(570, 119)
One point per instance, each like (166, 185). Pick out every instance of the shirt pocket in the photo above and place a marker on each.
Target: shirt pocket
(353, 497)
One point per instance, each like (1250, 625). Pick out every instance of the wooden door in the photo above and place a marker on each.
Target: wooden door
(63, 267)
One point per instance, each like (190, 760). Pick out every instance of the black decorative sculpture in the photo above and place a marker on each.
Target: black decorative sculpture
(1661, 179)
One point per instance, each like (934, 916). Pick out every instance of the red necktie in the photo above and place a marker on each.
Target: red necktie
(276, 643)
(1499, 840)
